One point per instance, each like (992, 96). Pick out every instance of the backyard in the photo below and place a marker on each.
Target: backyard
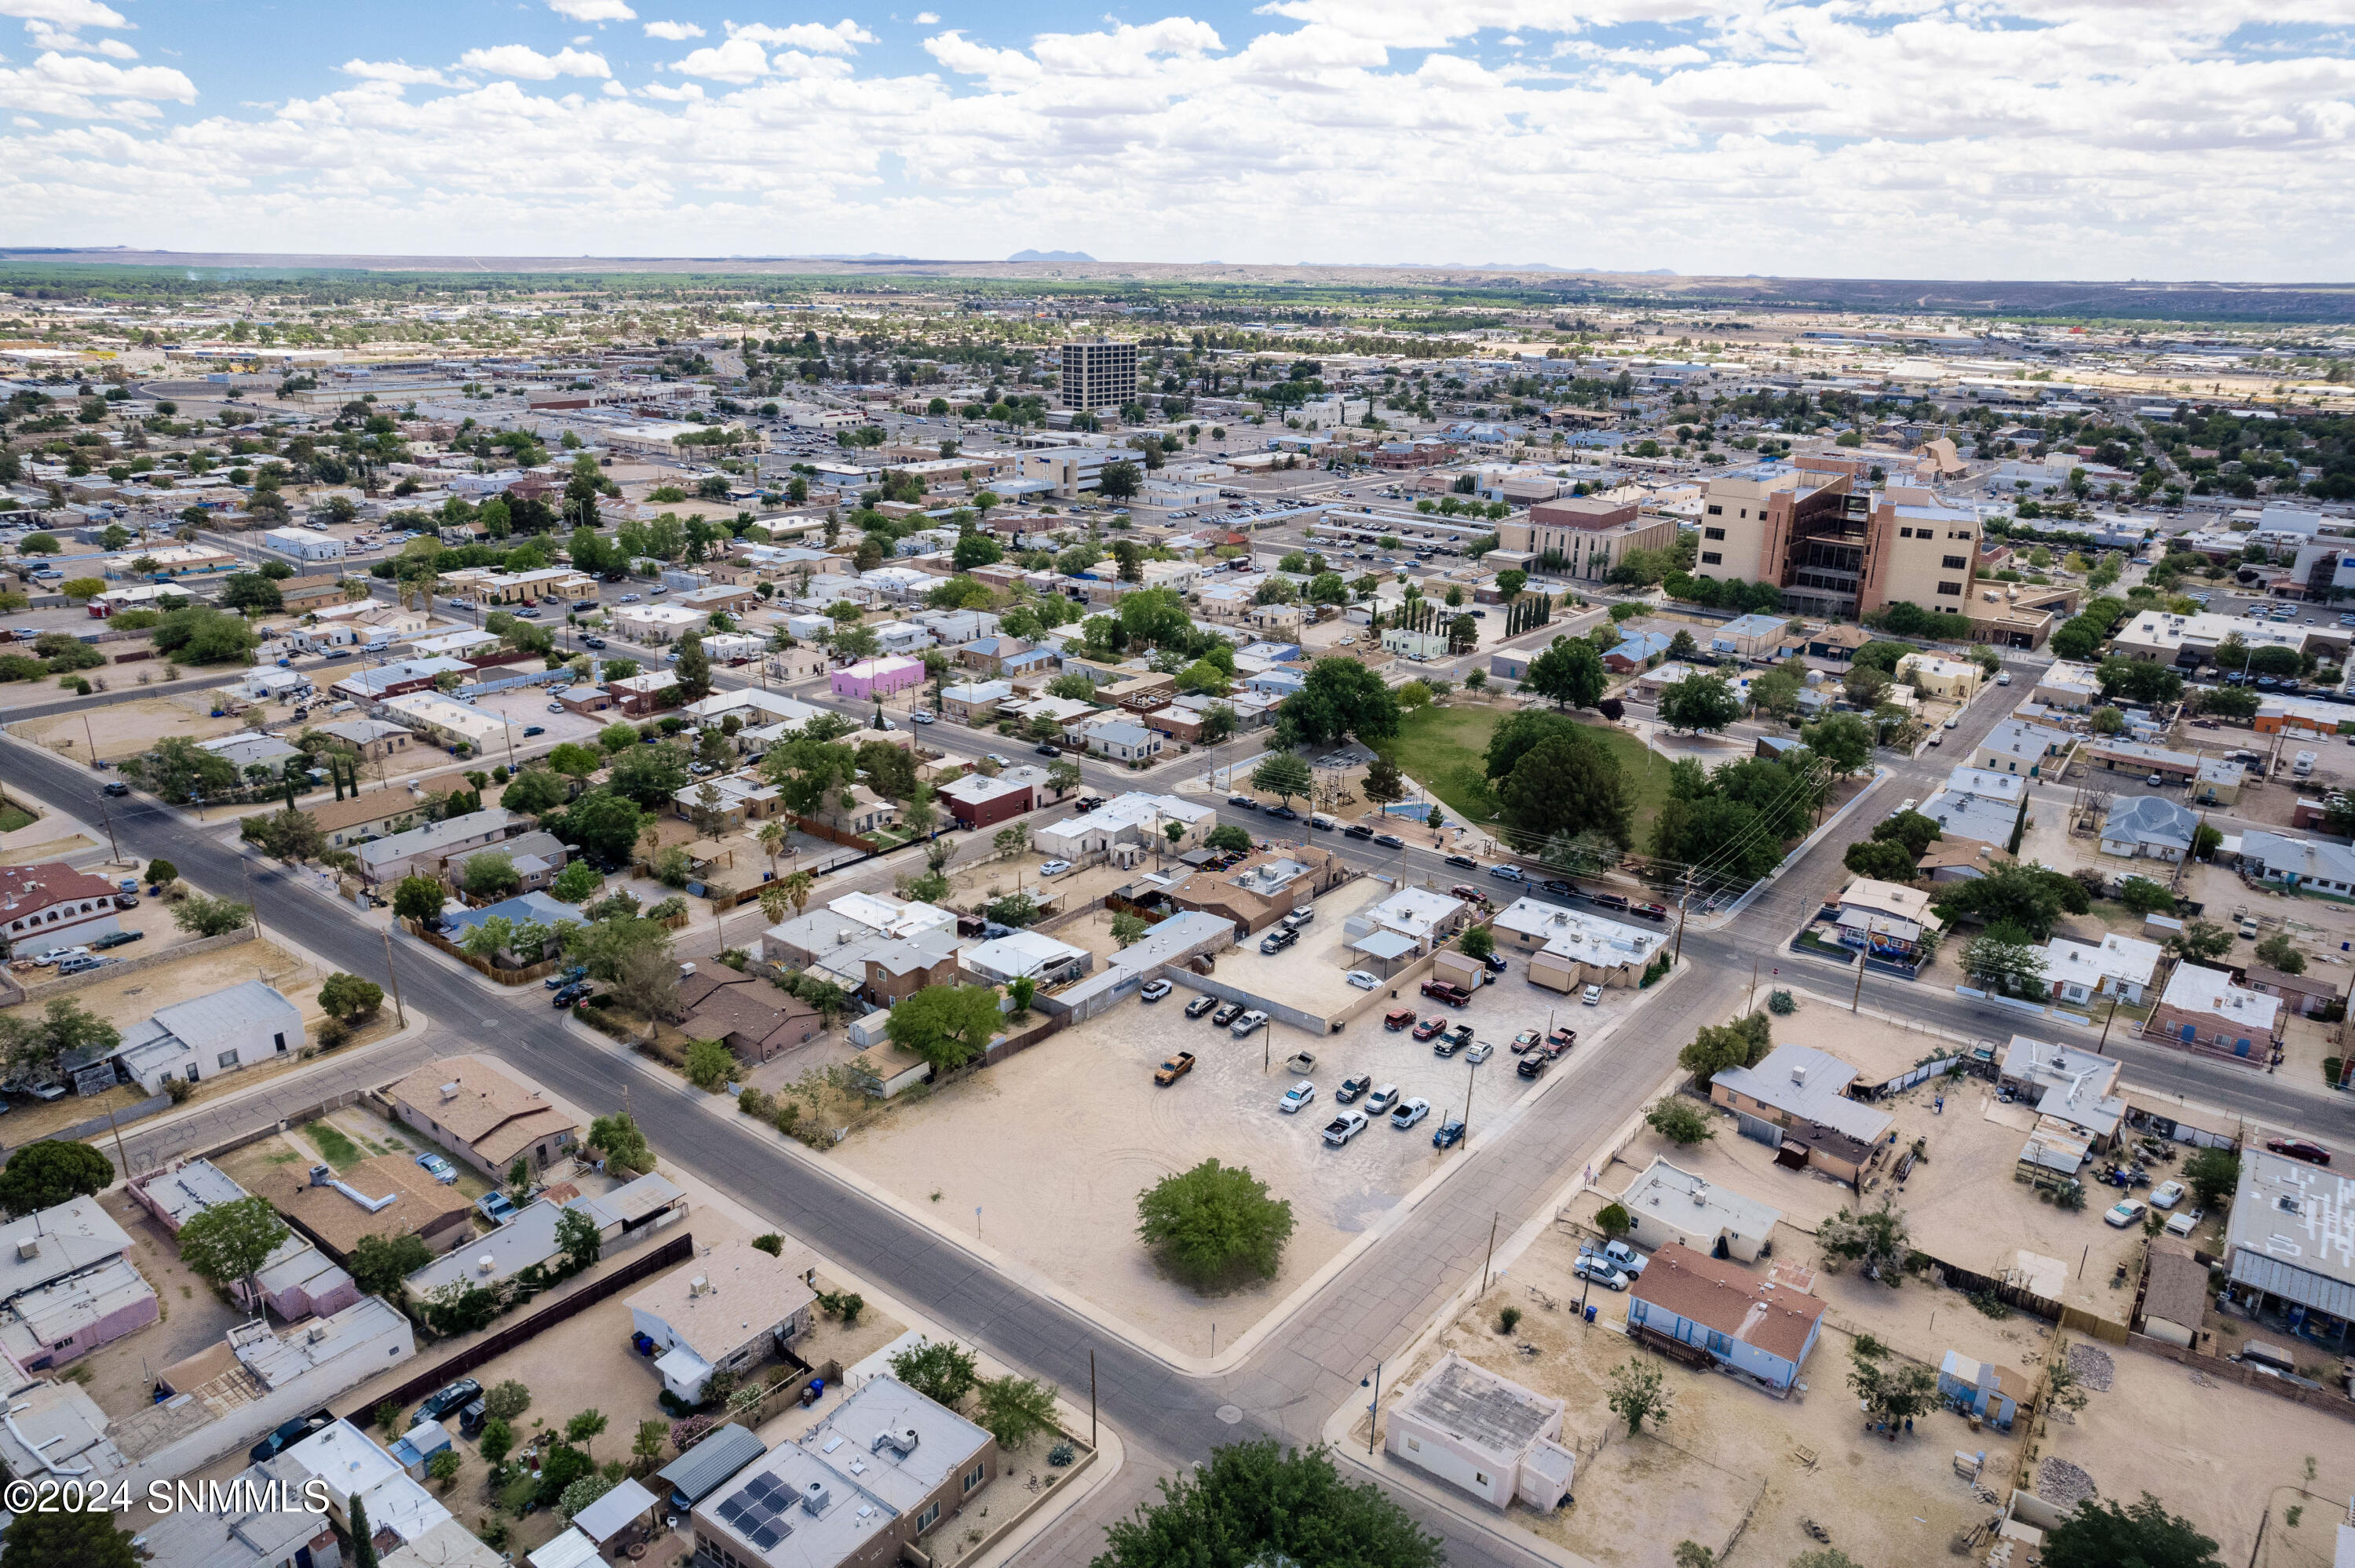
(1442, 749)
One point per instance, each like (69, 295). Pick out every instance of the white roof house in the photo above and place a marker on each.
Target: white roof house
(1126, 818)
(2207, 998)
(1476, 1430)
(1422, 916)
(205, 1036)
(2300, 862)
(1025, 954)
(2078, 972)
(1669, 1204)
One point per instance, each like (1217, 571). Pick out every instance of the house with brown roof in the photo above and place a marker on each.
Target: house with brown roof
(1760, 1327)
(1264, 888)
(388, 1195)
(2305, 995)
(481, 1115)
(316, 592)
(752, 1017)
(2175, 1292)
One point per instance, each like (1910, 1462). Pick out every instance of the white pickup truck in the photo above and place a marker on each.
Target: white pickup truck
(1345, 1127)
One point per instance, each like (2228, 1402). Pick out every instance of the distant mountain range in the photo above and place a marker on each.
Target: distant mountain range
(1051, 256)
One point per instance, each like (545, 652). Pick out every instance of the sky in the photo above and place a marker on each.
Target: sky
(2001, 139)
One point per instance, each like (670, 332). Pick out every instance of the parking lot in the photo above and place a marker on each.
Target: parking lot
(526, 707)
(1053, 1145)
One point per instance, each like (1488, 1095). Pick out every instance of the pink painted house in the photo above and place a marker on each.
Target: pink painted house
(873, 678)
(67, 1285)
(297, 1281)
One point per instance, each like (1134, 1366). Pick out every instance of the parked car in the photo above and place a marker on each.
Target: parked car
(1624, 1259)
(1200, 1005)
(1389, 841)
(1043, 748)
(1379, 1102)
(922, 716)
(1598, 1268)
(2299, 1149)
(449, 1397)
(1276, 941)
(48, 956)
(1242, 802)
(1343, 1128)
(571, 995)
(1243, 1026)
(2167, 1195)
(495, 1208)
(1054, 868)
(532, 729)
(1448, 991)
(1399, 1017)
(556, 707)
(1524, 1040)
(1155, 989)
(119, 938)
(1533, 1064)
(1352, 1087)
(1447, 1134)
(83, 965)
(1175, 1068)
(1481, 1051)
(1407, 1113)
(565, 977)
(287, 1435)
(2183, 1221)
(1363, 981)
(116, 787)
(1495, 964)
(440, 1170)
(1283, 813)
(1466, 861)
(1357, 831)
(2126, 1212)
(1507, 873)
(1461, 1034)
(1301, 1094)
(1227, 1014)
(1430, 1026)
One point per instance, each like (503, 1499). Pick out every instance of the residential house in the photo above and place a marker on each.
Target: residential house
(1885, 917)
(1760, 1329)
(977, 801)
(424, 848)
(537, 856)
(1795, 1101)
(296, 1280)
(1749, 636)
(624, 1217)
(1838, 642)
(67, 1285)
(640, 696)
(1136, 818)
(1483, 1433)
(801, 941)
(51, 905)
(2175, 1293)
(1264, 888)
(1994, 1393)
(725, 1311)
(524, 911)
(398, 678)
(2307, 864)
(749, 1016)
(2115, 756)
(2116, 966)
(1570, 949)
(1026, 955)
(1117, 740)
(2075, 1091)
(2305, 995)
(1948, 680)
(2072, 687)
(475, 1111)
(2202, 1010)
(2286, 1247)
(975, 703)
(873, 679)
(373, 738)
(2148, 827)
(1961, 860)
(888, 972)
(859, 1491)
(409, 1526)
(207, 1036)
(1390, 935)
(1636, 650)
(1668, 1204)
(2016, 746)
(388, 1195)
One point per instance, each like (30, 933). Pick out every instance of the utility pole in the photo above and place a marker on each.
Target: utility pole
(253, 903)
(1091, 1398)
(1861, 958)
(113, 850)
(89, 738)
(1751, 1005)
(2113, 1018)
(1492, 1250)
(1682, 898)
(394, 976)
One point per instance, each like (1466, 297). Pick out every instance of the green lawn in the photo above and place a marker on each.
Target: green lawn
(1442, 749)
(13, 816)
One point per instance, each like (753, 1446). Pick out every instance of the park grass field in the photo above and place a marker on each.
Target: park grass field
(1442, 749)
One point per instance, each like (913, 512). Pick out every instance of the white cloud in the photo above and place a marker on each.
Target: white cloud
(400, 72)
(68, 13)
(842, 38)
(927, 19)
(736, 60)
(1909, 138)
(593, 10)
(527, 63)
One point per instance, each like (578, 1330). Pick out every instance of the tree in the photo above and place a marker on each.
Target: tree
(1891, 1392)
(693, 669)
(380, 1263)
(1677, 1121)
(1119, 481)
(1282, 775)
(2029, 896)
(80, 1538)
(211, 917)
(649, 775)
(2101, 1534)
(1341, 697)
(1877, 1238)
(1126, 929)
(420, 899)
(941, 1371)
(1639, 1393)
(1214, 1221)
(1569, 783)
(350, 998)
(708, 1063)
(585, 1426)
(1885, 861)
(2143, 895)
(43, 1175)
(1910, 830)
(231, 1241)
(535, 792)
(362, 1534)
(617, 1138)
(1477, 942)
(1017, 909)
(1013, 1409)
(1383, 783)
(2214, 1173)
(2002, 960)
(2278, 952)
(2202, 942)
(947, 1025)
(1698, 703)
(1717, 1046)
(1569, 673)
(603, 825)
(1262, 1504)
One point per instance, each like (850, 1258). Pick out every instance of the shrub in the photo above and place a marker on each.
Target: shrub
(1215, 1220)
(1508, 1319)
(1612, 1220)
(1781, 1003)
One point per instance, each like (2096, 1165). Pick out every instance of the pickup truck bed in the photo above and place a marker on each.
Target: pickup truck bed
(1175, 1068)
(1345, 1127)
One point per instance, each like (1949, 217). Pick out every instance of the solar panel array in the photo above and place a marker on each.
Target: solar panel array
(758, 1511)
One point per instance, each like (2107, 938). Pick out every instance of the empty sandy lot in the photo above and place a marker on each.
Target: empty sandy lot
(1053, 1145)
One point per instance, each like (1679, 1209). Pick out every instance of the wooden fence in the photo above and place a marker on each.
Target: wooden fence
(491, 1346)
(2075, 1318)
(1008, 1046)
(524, 976)
(2323, 1399)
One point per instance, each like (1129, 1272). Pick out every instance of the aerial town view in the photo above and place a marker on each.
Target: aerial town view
(661, 672)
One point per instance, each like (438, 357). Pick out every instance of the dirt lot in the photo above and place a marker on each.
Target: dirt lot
(2219, 1453)
(1727, 1453)
(122, 1376)
(1054, 1144)
(126, 729)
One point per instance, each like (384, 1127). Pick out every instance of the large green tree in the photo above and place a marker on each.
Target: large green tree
(2102, 1534)
(1341, 697)
(1282, 774)
(69, 1538)
(1570, 782)
(1569, 675)
(231, 1241)
(947, 1025)
(1213, 1221)
(1258, 1504)
(1700, 702)
(45, 1174)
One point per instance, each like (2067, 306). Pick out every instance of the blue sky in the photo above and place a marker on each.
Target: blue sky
(1998, 138)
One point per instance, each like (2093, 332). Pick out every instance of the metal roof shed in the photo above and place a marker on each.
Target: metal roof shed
(704, 1468)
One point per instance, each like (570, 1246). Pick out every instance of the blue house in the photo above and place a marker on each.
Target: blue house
(1759, 1327)
(1989, 1392)
(1276, 682)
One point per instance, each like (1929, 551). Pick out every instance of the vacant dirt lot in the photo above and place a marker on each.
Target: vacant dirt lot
(126, 729)
(1054, 1145)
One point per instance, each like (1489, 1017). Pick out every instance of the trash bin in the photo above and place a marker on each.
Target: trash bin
(1590, 1313)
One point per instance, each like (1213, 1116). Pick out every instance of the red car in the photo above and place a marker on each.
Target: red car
(2299, 1149)
(1429, 1027)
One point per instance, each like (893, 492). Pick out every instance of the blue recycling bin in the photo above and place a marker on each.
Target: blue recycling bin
(1590, 1313)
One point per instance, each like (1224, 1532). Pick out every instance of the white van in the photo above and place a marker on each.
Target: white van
(2303, 764)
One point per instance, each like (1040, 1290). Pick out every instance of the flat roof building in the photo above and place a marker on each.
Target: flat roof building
(1483, 1434)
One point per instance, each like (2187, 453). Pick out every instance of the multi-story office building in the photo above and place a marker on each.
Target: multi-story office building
(1098, 375)
(1833, 548)
(1588, 533)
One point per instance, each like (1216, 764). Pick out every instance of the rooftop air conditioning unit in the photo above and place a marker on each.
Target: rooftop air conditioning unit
(1798, 1075)
(29, 1247)
(450, 1090)
(485, 1264)
(318, 1332)
(815, 1498)
(901, 1440)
